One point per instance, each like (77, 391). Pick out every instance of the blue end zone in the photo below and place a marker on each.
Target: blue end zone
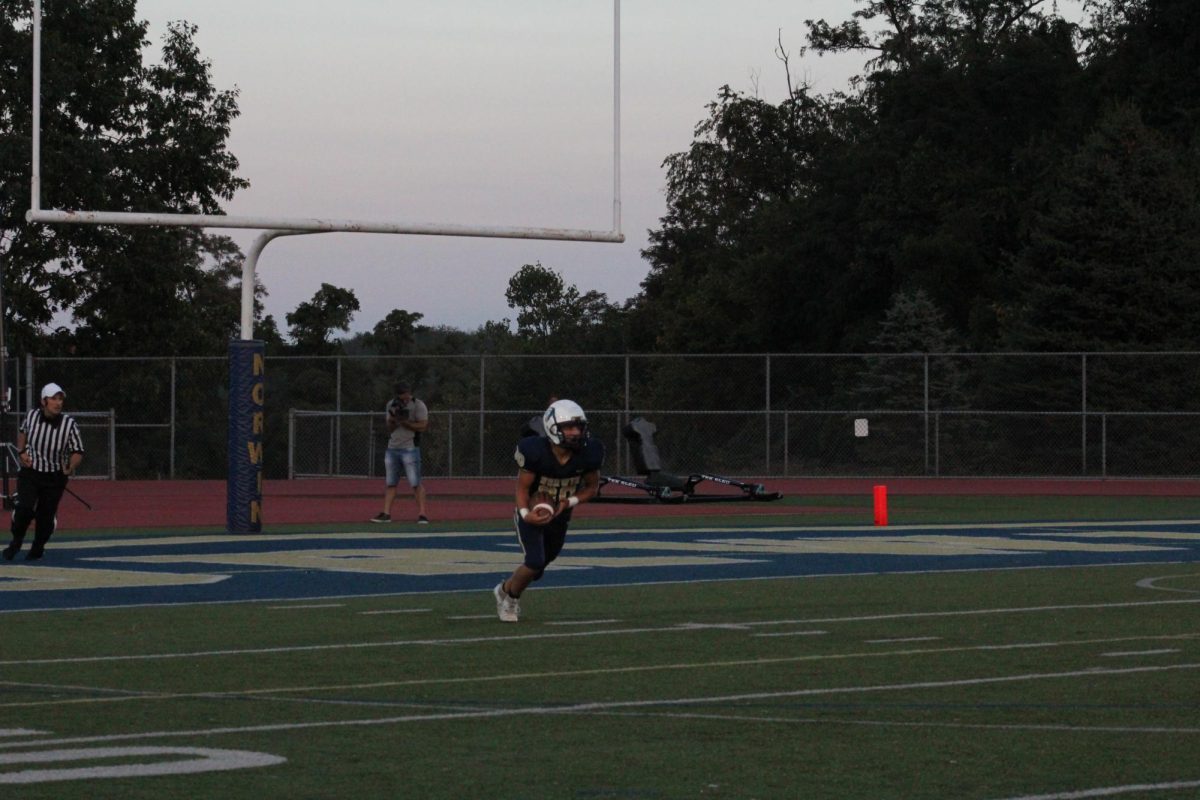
(205, 569)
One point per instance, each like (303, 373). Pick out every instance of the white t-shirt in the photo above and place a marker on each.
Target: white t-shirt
(402, 437)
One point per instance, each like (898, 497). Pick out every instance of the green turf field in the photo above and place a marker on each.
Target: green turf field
(998, 684)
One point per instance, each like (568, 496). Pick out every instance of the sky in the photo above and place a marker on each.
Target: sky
(474, 112)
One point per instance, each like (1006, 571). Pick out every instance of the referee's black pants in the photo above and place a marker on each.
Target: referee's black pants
(38, 494)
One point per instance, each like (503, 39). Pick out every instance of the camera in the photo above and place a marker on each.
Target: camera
(398, 411)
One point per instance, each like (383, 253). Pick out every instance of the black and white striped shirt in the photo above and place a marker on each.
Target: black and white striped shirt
(50, 442)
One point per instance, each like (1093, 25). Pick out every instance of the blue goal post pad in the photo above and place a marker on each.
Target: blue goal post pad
(246, 403)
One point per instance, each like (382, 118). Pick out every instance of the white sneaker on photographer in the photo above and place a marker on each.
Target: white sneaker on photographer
(507, 608)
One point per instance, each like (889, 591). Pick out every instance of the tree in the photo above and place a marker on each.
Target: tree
(730, 264)
(394, 334)
(267, 331)
(1147, 52)
(792, 226)
(547, 308)
(116, 135)
(973, 102)
(1110, 259)
(312, 324)
(167, 291)
(493, 337)
(913, 324)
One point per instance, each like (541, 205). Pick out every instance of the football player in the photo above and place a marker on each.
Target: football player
(562, 469)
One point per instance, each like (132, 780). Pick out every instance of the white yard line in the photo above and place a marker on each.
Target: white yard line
(397, 611)
(681, 627)
(592, 708)
(121, 695)
(1152, 583)
(888, 723)
(1111, 791)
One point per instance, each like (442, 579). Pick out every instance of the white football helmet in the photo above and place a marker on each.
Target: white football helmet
(560, 412)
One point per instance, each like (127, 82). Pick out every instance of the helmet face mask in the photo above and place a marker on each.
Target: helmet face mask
(566, 414)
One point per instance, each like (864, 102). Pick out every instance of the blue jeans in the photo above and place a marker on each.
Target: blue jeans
(407, 457)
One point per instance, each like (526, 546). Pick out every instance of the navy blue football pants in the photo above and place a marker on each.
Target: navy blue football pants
(541, 544)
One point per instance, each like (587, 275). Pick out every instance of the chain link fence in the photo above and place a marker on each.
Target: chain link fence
(980, 414)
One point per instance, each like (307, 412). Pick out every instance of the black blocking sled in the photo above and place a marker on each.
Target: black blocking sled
(662, 486)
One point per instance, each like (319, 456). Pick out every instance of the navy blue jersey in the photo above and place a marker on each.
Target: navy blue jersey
(560, 481)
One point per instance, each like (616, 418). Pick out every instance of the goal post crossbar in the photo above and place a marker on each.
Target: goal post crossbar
(316, 225)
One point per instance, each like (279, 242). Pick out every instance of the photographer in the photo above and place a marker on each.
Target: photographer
(50, 449)
(407, 418)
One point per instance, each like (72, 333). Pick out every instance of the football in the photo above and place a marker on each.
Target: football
(543, 506)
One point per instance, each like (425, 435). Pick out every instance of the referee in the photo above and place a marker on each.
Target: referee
(50, 449)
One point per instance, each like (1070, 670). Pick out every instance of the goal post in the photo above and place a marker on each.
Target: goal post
(317, 224)
(246, 380)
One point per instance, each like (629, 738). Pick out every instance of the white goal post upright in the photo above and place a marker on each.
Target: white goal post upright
(245, 454)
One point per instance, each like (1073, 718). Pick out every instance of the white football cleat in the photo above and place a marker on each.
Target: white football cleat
(507, 608)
